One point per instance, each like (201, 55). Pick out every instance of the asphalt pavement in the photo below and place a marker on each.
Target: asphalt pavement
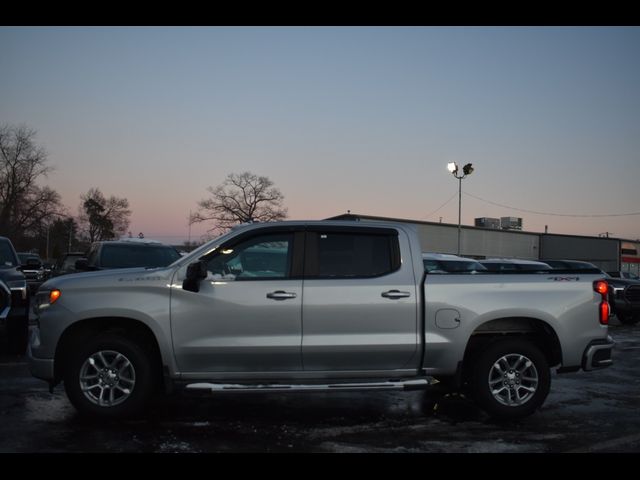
(585, 412)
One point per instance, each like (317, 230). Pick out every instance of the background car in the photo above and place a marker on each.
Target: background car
(14, 326)
(446, 263)
(67, 264)
(627, 275)
(571, 265)
(497, 265)
(31, 266)
(128, 253)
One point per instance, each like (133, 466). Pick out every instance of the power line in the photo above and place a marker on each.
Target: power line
(452, 197)
(554, 214)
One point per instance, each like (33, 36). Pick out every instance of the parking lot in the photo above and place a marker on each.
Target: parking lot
(585, 412)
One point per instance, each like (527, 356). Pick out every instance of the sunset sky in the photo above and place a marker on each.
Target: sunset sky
(340, 118)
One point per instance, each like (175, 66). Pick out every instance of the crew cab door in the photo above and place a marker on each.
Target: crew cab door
(246, 316)
(360, 309)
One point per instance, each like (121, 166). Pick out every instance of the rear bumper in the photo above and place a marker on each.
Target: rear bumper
(598, 354)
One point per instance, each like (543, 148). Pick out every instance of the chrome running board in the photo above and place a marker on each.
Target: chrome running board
(413, 384)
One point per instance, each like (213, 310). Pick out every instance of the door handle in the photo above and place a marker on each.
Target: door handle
(281, 295)
(394, 294)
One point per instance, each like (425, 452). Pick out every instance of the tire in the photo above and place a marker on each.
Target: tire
(628, 318)
(109, 376)
(511, 379)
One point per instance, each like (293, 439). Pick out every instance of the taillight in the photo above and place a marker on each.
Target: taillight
(602, 287)
(604, 313)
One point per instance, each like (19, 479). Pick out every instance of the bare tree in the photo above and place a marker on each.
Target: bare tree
(23, 204)
(102, 218)
(241, 198)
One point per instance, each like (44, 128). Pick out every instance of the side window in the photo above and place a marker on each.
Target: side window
(349, 255)
(7, 257)
(433, 266)
(258, 258)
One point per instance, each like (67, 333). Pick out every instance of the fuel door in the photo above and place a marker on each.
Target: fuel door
(447, 318)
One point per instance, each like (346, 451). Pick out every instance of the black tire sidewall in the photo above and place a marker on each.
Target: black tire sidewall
(139, 357)
(485, 361)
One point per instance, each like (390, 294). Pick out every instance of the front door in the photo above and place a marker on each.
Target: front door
(246, 316)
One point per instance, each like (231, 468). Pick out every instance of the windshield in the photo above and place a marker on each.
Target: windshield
(126, 256)
(206, 248)
(27, 256)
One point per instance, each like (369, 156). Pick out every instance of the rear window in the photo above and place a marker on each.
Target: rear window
(350, 255)
(126, 256)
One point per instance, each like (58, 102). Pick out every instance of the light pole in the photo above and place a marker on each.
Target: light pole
(466, 170)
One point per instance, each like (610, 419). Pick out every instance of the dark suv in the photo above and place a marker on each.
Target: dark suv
(31, 266)
(127, 254)
(14, 300)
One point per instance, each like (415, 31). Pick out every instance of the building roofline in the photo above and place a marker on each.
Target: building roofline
(355, 216)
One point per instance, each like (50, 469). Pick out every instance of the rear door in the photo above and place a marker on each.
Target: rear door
(360, 306)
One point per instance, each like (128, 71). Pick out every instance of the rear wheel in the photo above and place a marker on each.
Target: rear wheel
(110, 376)
(510, 379)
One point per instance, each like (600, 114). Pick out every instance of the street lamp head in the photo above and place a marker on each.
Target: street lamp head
(452, 167)
(467, 169)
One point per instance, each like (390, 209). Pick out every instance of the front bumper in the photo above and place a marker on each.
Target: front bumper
(42, 368)
(598, 354)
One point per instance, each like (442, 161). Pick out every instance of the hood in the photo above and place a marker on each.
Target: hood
(107, 277)
(11, 275)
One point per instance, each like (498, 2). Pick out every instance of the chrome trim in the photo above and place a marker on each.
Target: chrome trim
(5, 312)
(346, 387)
(592, 350)
(22, 289)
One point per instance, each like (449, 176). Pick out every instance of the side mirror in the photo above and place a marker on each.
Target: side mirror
(82, 264)
(196, 272)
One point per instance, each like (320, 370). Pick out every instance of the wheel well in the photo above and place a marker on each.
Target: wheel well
(127, 327)
(537, 331)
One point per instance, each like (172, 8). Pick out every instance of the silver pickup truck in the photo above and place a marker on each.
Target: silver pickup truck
(324, 305)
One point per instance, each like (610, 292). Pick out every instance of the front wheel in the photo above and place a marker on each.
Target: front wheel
(110, 376)
(511, 379)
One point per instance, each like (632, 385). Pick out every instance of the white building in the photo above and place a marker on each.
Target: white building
(610, 254)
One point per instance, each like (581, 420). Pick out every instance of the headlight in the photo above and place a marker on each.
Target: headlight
(46, 298)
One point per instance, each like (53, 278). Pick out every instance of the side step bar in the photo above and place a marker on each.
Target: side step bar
(413, 384)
